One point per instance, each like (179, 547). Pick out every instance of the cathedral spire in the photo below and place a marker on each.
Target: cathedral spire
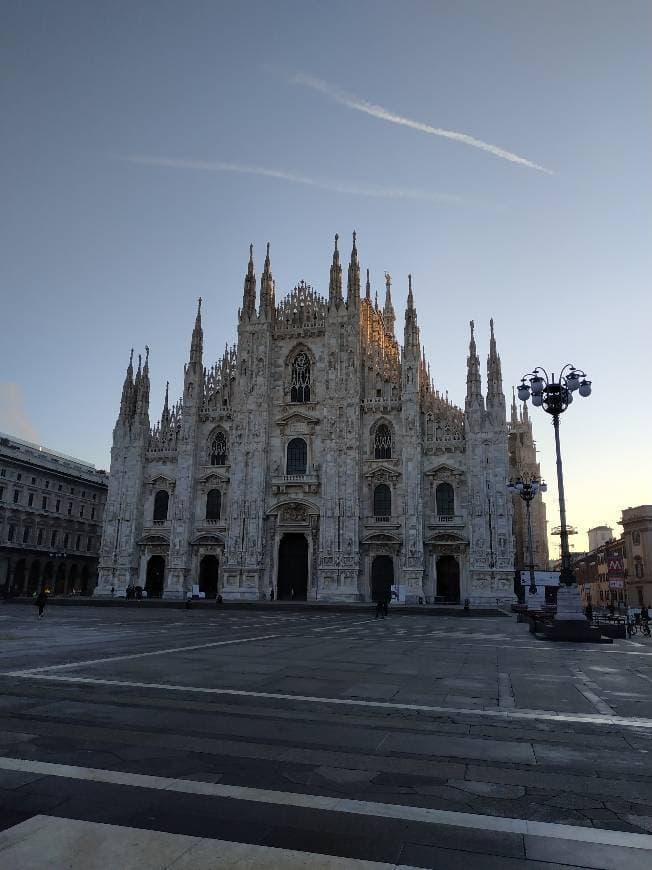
(165, 416)
(388, 311)
(495, 395)
(353, 282)
(266, 286)
(514, 408)
(249, 291)
(368, 288)
(473, 378)
(127, 388)
(197, 341)
(411, 332)
(335, 283)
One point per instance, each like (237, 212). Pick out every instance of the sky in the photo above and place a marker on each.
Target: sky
(499, 152)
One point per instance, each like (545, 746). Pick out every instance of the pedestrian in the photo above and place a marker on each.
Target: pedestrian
(40, 602)
(612, 610)
(112, 591)
(589, 612)
(271, 594)
(380, 606)
(645, 616)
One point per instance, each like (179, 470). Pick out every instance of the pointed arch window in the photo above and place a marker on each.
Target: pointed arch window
(218, 449)
(297, 456)
(161, 500)
(445, 500)
(213, 504)
(382, 501)
(300, 384)
(383, 442)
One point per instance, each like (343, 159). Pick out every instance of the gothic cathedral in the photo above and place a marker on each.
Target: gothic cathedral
(314, 460)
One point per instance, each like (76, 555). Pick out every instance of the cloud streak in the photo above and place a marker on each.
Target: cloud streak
(294, 177)
(13, 414)
(359, 105)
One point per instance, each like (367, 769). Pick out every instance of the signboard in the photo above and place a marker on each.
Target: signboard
(541, 578)
(616, 583)
(615, 566)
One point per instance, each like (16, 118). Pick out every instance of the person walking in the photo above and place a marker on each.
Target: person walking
(41, 600)
(380, 606)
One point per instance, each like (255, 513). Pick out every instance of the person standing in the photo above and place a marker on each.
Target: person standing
(41, 600)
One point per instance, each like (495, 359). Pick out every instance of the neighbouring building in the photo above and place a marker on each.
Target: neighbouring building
(637, 534)
(51, 512)
(599, 535)
(314, 459)
(601, 574)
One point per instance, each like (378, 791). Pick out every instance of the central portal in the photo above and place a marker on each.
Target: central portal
(382, 578)
(292, 584)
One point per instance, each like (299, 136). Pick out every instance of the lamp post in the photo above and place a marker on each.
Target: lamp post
(554, 396)
(527, 488)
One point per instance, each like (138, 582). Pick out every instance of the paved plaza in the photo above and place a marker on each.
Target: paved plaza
(156, 738)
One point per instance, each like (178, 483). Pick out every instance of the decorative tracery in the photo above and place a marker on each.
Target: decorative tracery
(218, 449)
(383, 442)
(300, 383)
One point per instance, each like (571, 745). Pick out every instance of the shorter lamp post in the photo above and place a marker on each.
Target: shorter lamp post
(527, 489)
(554, 396)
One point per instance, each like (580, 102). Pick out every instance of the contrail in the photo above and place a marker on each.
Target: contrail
(384, 114)
(322, 184)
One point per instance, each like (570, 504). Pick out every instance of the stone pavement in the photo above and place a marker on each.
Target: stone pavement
(249, 739)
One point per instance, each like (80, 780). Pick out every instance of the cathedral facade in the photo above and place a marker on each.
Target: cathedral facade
(313, 460)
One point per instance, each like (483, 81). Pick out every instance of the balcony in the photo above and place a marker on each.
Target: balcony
(294, 483)
(447, 521)
(383, 522)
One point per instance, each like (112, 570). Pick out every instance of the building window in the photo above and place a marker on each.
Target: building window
(72, 490)
(19, 476)
(16, 496)
(44, 503)
(383, 443)
(30, 499)
(33, 481)
(300, 383)
(83, 493)
(382, 501)
(11, 531)
(92, 513)
(66, 539)
(57, 505)
(638, 568)
(636, 538)
(39, 537)
(47, 484)
(3, 472)
(69, 508)
(53, 539)
(218, 449)
(297, 456)
(445, 500)
(213, 504)
(60, 487)
(78, 542)
(81, 511)
(2, 492)
(89, 544)
(94, 496)
(26, 533)
(161, 500)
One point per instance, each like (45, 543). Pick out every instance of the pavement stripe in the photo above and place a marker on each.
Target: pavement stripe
(156, 652)
(47, 841)
(492, 712)
(422, 815)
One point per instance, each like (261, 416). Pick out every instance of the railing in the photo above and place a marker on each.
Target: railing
(449, 519)
(382, 520)
(295, 478)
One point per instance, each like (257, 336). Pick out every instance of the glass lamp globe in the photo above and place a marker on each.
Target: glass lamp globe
(572, 380)
(585, 388)
(568, 397)
(523, 393)
(537, 400)
(536, 383)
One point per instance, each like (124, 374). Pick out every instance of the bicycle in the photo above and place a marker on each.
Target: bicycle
(634, 628)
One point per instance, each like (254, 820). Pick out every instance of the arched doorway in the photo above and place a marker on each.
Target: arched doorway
(19, 575)
(208, 572)
(155, 577)
(34, 577)
(60, 581)
(382, 578)
(448, 580)
(292, 568)
(84, 580)
(73, 583)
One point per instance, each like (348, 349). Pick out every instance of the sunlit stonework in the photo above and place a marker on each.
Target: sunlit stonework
(316, 459)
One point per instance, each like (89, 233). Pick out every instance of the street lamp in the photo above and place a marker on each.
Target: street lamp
(554, 396)
(527, 488)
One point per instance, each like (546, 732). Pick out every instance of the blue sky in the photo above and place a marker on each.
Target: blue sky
(100, 252)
